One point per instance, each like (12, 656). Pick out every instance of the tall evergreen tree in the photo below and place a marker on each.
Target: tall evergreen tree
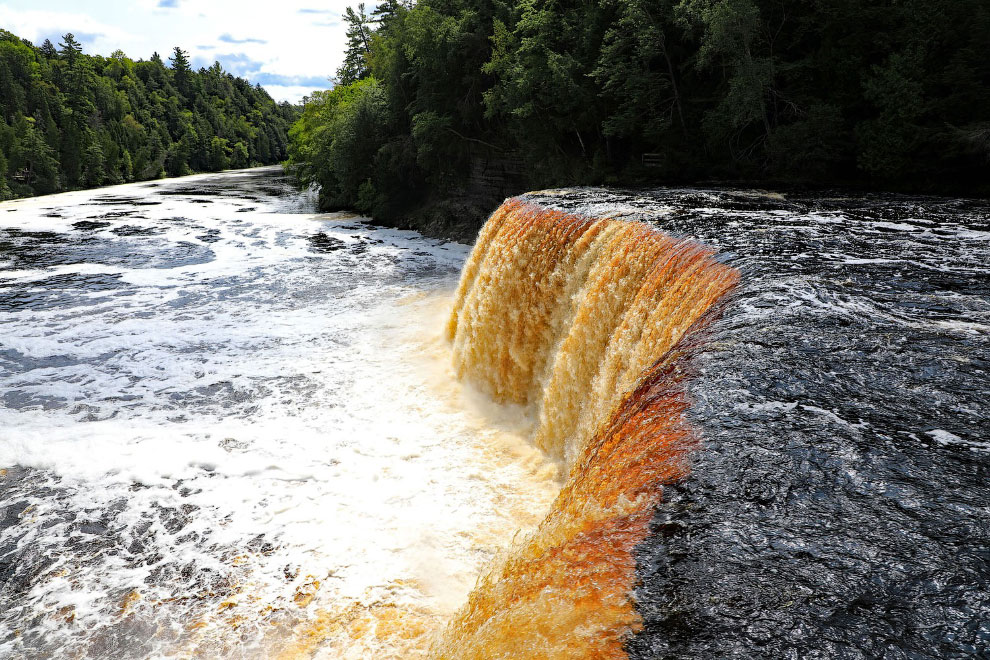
(47, 50)
(355, 64)
(386, 14)
(181, 72)
(71, 49)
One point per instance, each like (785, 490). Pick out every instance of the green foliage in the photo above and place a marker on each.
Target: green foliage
(811, 143)
(218, 158)
(32, 164)
(5, 192)
(71, 49)
(71, 120)
(336, 140)
(544, 91)
(359, 29)
(181, 73)
(636, 73)
(239, 155)
(886, 93)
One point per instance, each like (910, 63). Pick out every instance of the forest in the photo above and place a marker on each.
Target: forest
(443, 104)
(69, 120)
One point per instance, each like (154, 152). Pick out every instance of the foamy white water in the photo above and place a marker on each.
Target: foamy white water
(228, 428)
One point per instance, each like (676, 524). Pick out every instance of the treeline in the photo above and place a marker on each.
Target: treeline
(888, 94)
(70, 120)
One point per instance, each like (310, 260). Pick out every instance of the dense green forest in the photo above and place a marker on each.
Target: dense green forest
(447, 99)
(70, 120)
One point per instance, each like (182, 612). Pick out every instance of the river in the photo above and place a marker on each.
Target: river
(841, 504)
(230, 426)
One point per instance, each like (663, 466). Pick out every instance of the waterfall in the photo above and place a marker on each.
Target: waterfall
(589, 322)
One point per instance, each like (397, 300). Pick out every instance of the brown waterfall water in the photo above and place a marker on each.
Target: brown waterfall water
(589, 322)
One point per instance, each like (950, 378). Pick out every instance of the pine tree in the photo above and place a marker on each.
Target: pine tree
(32, 160)
(48, 50)
(181, 71)
(355, 65)
(386, 13)
(71, 49)
(93, 165)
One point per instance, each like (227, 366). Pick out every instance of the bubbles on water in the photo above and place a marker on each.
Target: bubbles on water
(216, 437)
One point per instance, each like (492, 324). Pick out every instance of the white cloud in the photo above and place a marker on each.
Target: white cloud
(37, 25)
(290, 93)
(288, 48)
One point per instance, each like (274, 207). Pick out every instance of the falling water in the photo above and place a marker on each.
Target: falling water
(229, 428)
(589, 321)
(793, 462)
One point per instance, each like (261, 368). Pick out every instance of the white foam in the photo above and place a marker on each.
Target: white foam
(943, 437)
(273, 390)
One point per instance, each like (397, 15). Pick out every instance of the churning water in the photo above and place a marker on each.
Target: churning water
(230, 427)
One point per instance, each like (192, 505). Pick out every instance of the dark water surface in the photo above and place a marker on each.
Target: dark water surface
(841, 505)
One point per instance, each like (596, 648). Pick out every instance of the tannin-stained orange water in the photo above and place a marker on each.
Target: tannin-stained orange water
(590, 323)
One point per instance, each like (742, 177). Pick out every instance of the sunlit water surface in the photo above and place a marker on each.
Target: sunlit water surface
(229, 428)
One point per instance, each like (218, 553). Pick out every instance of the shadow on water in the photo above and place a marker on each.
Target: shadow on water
(137, 247)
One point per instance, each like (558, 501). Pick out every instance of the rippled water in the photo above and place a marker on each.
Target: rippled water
(841, 505)
(227, 428)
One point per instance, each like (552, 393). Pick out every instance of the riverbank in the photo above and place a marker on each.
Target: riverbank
(461, 217)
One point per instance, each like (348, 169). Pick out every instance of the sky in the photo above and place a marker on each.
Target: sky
(289, 47)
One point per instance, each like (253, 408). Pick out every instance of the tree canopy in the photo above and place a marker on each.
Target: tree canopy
(885, 94)
(71, 120)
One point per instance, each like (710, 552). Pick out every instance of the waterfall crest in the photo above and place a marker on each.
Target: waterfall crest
(590, 322)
